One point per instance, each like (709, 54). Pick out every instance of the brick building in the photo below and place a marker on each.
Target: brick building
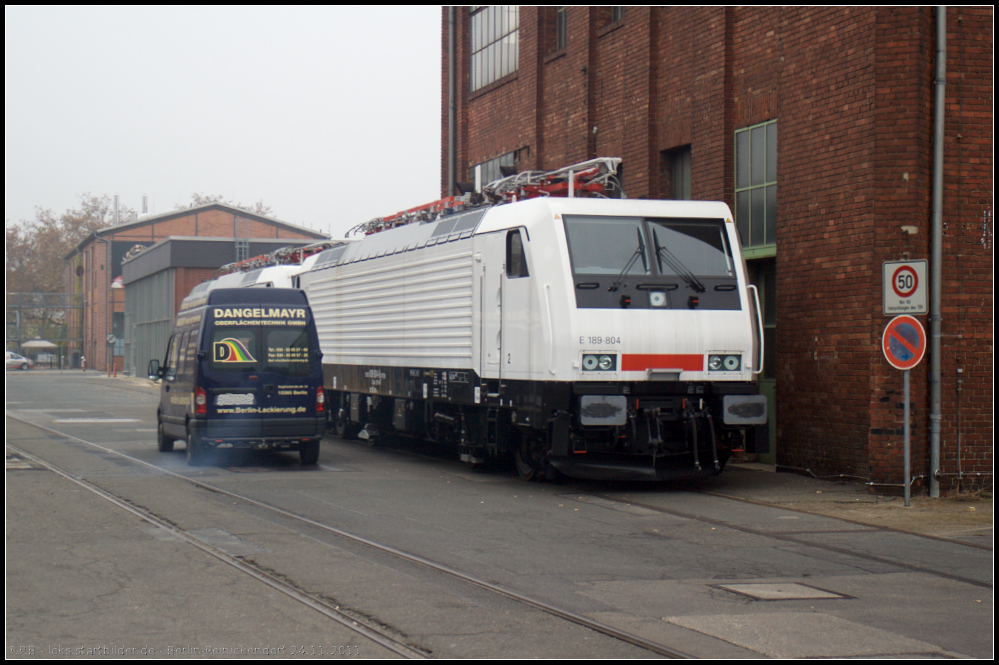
(94, 267)
(816, 126)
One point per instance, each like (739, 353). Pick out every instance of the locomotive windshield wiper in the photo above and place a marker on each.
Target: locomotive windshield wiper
(640, 251)
(677, 265)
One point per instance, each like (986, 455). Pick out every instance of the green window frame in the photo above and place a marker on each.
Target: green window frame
(756, 188)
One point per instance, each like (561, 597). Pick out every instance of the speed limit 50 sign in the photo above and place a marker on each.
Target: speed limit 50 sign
(904, 285)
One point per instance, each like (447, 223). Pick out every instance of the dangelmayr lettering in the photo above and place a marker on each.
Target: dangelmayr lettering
(258, 313)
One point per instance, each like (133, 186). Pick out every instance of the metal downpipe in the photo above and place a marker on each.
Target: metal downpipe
(450, 102)
(936, 251)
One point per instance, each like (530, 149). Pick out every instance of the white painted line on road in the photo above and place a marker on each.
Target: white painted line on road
(97, 420)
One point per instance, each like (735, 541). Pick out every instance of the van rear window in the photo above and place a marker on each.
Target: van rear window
(234, 349)
(284, 350)
(288, 351)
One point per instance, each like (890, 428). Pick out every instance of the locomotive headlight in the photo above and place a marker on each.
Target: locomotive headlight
(724, 362)
(599, 362)
(657, 298)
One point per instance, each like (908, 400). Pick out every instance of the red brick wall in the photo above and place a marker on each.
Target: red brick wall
(821, 92)
(186, 279)
(967, 319)
(851, 90)
(209, 222)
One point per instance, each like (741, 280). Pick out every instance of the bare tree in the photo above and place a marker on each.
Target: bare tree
(259, 208)
(35, 249)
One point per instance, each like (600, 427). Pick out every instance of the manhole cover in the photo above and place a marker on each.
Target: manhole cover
(780, 591)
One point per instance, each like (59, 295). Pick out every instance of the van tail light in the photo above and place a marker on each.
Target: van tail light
(320, 400)
(200, 402)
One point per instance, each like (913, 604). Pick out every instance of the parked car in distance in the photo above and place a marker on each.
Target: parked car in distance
(15, 361)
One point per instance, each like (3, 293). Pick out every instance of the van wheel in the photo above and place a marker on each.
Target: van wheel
(195, 449)
(163, 442)
(309, 452)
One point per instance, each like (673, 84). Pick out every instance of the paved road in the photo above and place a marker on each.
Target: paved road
(705, 574)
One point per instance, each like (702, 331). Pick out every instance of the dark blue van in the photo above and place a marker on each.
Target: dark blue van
(242, 370)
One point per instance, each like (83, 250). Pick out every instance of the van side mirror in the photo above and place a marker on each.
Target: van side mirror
(153, 370)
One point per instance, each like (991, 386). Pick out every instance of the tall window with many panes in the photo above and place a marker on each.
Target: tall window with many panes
(494, 43)
(756, 219)
(756, 188)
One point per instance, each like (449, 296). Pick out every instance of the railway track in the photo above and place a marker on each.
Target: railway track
(359, 624)
(405, 648)
(799, 540)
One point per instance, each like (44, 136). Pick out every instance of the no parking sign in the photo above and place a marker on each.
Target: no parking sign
(904, 342)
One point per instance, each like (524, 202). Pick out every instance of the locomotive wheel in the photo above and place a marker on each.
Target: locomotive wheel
(528, 467)
(525, 469)
(342, 427)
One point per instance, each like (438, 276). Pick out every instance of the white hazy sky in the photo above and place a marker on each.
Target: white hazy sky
(330, 115)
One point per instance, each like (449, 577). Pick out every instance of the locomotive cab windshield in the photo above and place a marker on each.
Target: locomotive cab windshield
(689, 258)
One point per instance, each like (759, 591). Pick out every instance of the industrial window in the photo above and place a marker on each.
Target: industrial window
(674, 173)
(617, 14)
(494, 43)
(681, 174)
(756, 185)
(561, 18)
(491, 170)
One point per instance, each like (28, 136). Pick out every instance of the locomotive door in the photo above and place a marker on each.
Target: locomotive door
(491, 303)
(515, 356)
(505, 350)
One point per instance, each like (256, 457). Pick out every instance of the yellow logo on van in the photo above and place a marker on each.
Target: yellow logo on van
(231, 350)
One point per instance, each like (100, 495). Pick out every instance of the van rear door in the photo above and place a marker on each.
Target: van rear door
(260, 381)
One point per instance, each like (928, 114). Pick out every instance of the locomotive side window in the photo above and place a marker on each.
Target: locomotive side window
(516, 260)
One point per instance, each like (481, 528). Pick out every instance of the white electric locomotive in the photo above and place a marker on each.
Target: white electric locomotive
(602, 338)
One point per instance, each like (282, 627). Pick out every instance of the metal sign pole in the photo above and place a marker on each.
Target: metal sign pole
(904, 343)
(908, 479)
